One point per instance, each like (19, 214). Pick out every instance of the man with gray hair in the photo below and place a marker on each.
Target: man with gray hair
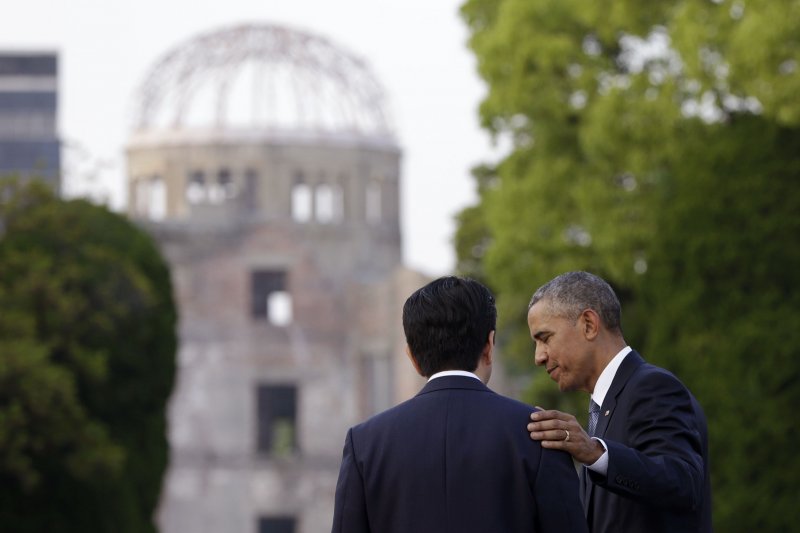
(644, 455)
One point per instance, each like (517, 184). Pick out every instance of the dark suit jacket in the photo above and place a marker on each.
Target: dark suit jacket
(658, 479)
(456, 458)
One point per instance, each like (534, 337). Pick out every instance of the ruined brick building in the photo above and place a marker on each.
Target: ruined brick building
(263, 162)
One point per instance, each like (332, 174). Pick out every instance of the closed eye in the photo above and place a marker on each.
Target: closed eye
(542, 337)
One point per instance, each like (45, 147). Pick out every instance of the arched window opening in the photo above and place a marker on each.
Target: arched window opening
(277, 421)
(301, 200)
(142, 196)
(279, 308)
(222, 188)
(157, 201)
(196, 188)
(270, 297)
(226, 184)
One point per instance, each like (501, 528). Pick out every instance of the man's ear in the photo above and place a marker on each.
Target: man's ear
(414, 361)
(590, 324)
(488, 350)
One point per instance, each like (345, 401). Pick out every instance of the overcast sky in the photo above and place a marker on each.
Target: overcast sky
(416, 48)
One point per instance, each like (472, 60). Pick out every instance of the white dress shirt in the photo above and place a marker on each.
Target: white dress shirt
(600, 390)
(454, 373)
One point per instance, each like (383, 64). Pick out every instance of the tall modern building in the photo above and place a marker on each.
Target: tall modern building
(263, 161)
(29, 145)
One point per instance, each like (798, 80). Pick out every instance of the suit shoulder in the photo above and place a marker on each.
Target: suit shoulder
(651, 375)
(511, 403)
(649, 382)
(505, 408)
(387, 417)
(485, 401)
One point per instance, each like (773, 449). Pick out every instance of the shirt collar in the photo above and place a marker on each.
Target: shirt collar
(607, 376)
(453, 373)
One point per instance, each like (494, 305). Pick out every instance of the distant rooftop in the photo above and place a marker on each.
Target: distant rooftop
(28, 63)
(29, 145)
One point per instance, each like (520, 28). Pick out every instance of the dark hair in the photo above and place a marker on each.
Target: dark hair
(570, 294)
(447, 323)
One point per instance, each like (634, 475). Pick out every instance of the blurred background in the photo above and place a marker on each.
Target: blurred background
(416, 51)
(212, 215)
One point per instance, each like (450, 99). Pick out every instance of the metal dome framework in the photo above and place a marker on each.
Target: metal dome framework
(261, 77)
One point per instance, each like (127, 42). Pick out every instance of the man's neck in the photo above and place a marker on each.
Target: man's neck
(606, 352)
(603, 383)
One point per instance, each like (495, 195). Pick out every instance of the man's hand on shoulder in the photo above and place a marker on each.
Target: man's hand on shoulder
(561, 431)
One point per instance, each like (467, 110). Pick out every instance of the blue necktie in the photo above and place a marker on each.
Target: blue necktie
(594, 415)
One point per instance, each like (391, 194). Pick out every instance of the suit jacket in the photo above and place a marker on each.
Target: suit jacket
(456, 458)
(658, 476)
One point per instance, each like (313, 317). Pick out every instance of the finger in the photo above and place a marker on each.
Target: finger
(553, 435)
(556, 445)
(550, 414)
(561, 422)
(544, 425)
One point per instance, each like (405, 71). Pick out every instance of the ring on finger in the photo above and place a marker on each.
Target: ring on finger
(566, 439)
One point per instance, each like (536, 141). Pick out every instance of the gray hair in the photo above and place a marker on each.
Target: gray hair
(570, 294)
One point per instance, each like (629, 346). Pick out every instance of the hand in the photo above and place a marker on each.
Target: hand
(560, 431)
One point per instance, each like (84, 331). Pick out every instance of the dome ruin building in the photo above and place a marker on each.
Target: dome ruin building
(264, 162)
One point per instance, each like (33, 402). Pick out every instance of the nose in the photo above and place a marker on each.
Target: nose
(539, 355)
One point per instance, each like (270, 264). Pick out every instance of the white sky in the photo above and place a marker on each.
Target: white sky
(416, 48)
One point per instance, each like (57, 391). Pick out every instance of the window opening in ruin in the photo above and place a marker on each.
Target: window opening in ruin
(270, 298)
(279, 308)
(277, 419)
(142, 196)
(222, 189)
(276, 524)
(373, 207)
(196, 188)
(151, 198)
(226, 184)
(301, 200)
(158, 198)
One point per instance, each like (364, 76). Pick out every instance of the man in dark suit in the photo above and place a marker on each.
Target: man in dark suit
(456, 457)
(645, 456)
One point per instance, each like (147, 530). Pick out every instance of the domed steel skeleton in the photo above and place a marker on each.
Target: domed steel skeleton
(286, 79)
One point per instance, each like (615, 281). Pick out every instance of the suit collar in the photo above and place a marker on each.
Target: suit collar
(454, 382)
(607, 376)
(631, 362)
(626, 369)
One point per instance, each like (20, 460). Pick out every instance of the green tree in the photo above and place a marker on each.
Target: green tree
(656, 145)
(87, 362)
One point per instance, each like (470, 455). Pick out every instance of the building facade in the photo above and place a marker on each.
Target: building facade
(282, 230)
(29, 145)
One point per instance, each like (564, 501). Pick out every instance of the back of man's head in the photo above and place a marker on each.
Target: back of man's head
(570, 294)
(447, 324)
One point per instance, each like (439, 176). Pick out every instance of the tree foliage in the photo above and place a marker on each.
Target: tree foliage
(87, 360)
(657, 146)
